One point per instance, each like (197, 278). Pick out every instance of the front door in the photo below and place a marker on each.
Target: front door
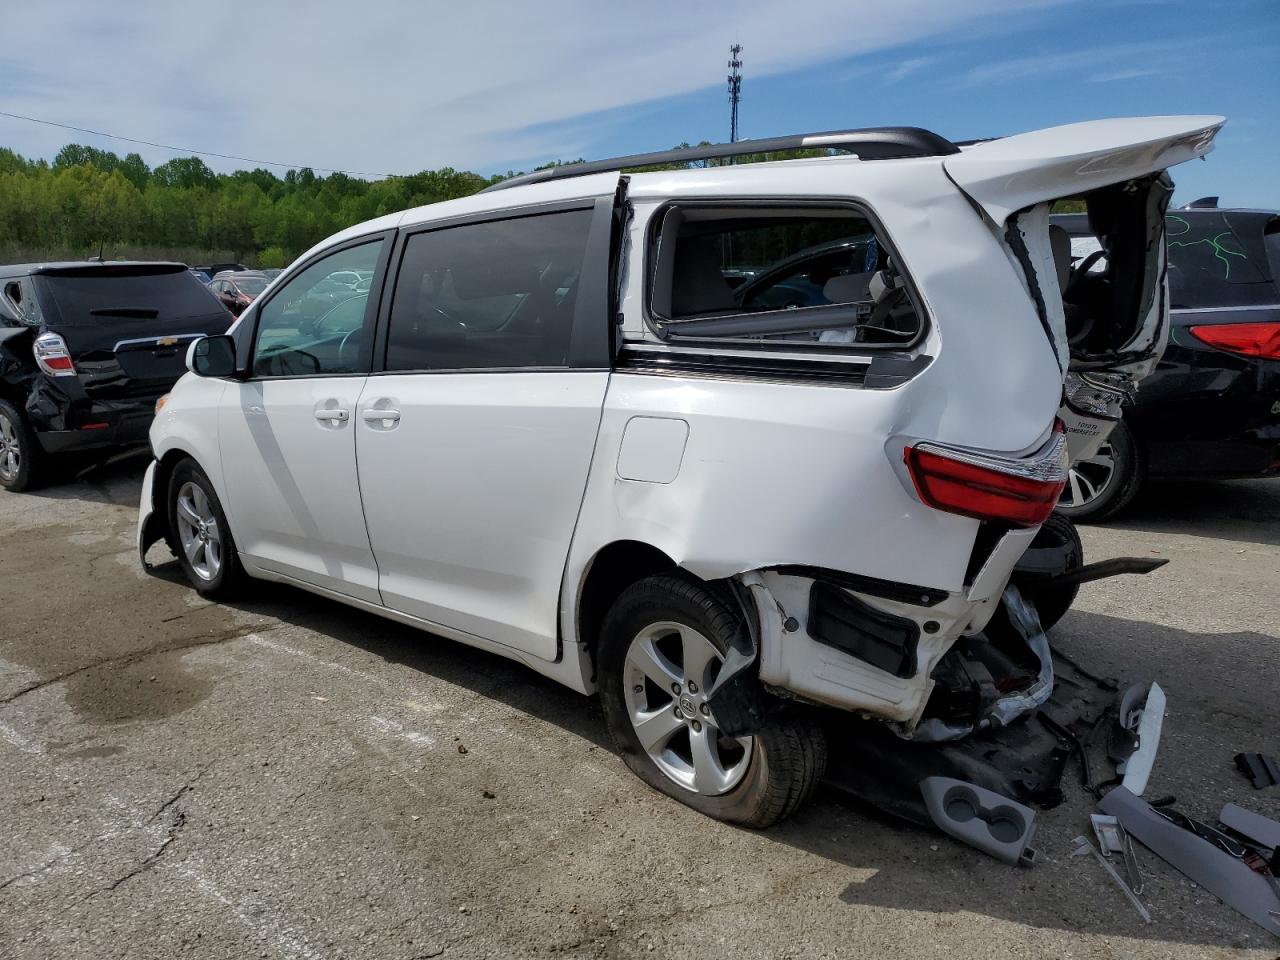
(475, 441)
(287, 433)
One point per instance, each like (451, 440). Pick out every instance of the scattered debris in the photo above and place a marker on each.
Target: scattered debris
(981, 818)
(1136, 768)
(1261, 770)
(487, 795)
(1204, 854)
(1083, 846)
(462, 749)
(1113, 839)
(1246, 823)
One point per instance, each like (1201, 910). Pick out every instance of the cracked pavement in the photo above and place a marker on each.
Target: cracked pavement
(290, 778)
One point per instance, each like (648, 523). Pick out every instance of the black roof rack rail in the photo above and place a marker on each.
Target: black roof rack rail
(871, 143)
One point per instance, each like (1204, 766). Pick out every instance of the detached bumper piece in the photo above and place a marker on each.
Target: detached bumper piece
(1262, 771)
(1238, 874)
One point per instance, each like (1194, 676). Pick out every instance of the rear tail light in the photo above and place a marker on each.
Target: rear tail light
(52, 356)
(1249, 339)
(1021, 491)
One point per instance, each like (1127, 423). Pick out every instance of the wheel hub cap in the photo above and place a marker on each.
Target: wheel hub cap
(198, 531)
(10, 450)
(1089, 478)
(669, 669)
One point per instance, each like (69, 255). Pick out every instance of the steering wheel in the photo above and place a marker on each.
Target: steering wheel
(1081, 269)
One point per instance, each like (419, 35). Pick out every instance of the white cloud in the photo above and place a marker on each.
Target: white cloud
(1121, 59)
(400, 85)
(906, 68)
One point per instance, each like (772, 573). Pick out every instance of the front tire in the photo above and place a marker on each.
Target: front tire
(21, 456)
(201, 535)
(662, 645)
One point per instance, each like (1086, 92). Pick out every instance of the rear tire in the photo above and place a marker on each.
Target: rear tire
(22, 459)
(200, 534)
(1053, 602)
(1091, 497)
(662, 644)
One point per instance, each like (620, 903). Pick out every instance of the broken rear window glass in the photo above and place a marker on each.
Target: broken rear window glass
(810, 275)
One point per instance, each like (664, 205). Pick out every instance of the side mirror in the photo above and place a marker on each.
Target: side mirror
(212, 357)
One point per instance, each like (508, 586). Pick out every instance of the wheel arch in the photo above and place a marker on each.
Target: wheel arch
(612, 569)
(166, 463)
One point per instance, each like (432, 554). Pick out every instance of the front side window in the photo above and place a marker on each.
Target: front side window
(491, 295)
(811, 275)
(312, 326)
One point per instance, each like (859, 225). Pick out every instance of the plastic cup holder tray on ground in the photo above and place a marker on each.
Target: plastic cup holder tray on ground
(982, 818)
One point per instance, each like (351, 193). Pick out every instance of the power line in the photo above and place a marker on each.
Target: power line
(188, 150)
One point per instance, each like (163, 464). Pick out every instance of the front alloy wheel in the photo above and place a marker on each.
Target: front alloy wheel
(669, 669)
(200, 535)
(198, 532)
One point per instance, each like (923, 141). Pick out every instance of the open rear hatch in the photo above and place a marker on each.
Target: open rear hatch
(127, 326)
(1107, 318)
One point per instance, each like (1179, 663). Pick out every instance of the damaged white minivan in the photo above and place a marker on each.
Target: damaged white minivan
(737, 447)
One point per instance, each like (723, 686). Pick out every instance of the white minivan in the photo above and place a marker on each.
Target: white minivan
(731, 445)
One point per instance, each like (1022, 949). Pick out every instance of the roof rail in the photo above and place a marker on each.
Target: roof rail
(871, 143)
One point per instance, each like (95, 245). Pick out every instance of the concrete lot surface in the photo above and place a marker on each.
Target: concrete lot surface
(289, 778)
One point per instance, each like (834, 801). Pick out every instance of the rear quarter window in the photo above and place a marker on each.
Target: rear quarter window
(1211, 265)
(812, 275)
(88, 297)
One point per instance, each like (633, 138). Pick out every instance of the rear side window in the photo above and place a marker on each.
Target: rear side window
(812, 275)
(1210, 266)
(492, 295)
(95, 297)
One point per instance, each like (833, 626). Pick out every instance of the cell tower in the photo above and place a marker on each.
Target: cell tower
(735, 90)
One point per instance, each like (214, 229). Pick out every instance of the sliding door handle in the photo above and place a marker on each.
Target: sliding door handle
(374, 415)
(337, 416)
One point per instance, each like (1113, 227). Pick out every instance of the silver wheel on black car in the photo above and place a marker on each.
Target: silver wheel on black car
(1105, 483)
(10, 450)
(21, 463)
(661, 649)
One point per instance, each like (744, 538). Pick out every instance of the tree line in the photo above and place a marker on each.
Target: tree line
(89, 200)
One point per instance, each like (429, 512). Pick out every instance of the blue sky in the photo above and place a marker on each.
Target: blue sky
(399, 85)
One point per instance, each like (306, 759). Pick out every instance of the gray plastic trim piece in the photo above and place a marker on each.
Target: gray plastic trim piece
(1252, 825)
(1227, 878)
(981, 818)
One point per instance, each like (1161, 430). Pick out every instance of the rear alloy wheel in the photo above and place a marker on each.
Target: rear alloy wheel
(669, 668)
(1104, 484)
(20, 453)
(201, 535)
(662, 647)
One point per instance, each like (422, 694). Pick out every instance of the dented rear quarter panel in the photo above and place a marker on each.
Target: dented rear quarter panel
(796, 473)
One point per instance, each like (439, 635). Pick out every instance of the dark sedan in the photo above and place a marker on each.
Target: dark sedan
(1211, 409)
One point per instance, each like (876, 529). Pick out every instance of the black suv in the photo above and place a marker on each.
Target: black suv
(85, 351)
(1211, 409)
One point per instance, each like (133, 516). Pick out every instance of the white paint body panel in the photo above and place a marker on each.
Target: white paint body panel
(290, 481)
(471, 498)
(652, 449)
(1029, 168)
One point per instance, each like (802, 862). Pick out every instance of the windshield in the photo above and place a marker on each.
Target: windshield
(97, 296)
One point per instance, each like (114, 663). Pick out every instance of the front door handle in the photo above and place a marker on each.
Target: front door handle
(373, 415)
(340, 416)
